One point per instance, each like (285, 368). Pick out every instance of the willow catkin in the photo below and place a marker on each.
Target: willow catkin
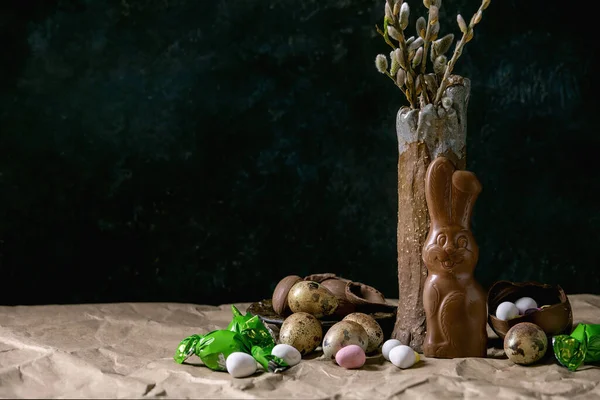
(418, 85)
(381, 63)
(433, 54)
(433, 15)
(461, 23)
(441, 46)
(439, 65)
(421, 27)
(401, 77)
(431, 82)
(418, 42)
(404, 14)
(418, 57)
(393, 33)
(395, 65)
(388, 11)
(434, 31)
(400, 57)
(469, 35)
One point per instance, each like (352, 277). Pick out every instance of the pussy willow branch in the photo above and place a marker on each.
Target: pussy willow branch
(426, 43)
(457, 53)
(402, 45)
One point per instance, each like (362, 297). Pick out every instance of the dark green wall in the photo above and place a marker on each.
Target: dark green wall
(198, 151)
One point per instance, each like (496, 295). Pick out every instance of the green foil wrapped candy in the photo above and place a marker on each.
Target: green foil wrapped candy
(591, 335)
(212, 348)
(581, 346)
(252, 328)
(569, 351)
(245, 333)
(268, 361)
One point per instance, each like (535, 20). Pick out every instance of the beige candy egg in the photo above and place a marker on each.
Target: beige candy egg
(371, 326)
(312, 298)
(342, 334)
(302, 331)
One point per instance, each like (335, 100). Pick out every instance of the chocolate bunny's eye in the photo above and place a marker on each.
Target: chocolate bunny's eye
(462, 242)
(442, 239)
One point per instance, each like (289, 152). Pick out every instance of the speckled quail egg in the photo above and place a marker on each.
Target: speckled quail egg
(371, 326)
(342, 334)
(525, 343)
(302, 331)
(310, 297)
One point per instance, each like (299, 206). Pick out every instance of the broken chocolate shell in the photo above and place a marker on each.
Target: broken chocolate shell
(337, 286)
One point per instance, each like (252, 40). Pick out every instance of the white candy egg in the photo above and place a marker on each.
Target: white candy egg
(240, 365)
(389, 345)
(288, 353)
(506, 311)
(524, 304)
(403, 356)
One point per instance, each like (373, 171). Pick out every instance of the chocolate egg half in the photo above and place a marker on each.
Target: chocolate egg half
(555, 319)
(280, 294)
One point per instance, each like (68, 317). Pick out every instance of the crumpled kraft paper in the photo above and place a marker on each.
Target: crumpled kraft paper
(125, 350)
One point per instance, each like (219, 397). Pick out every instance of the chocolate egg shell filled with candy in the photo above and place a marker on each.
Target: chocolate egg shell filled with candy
(555, 319)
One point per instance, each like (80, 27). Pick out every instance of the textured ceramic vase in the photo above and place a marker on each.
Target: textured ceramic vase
(423, 134)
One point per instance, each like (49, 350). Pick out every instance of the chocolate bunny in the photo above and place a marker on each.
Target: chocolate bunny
(455, 304)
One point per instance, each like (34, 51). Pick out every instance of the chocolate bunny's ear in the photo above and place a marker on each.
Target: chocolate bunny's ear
(438, 187)
(465, 189)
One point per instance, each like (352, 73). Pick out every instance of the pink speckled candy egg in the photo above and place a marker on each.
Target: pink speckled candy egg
(351, 356)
